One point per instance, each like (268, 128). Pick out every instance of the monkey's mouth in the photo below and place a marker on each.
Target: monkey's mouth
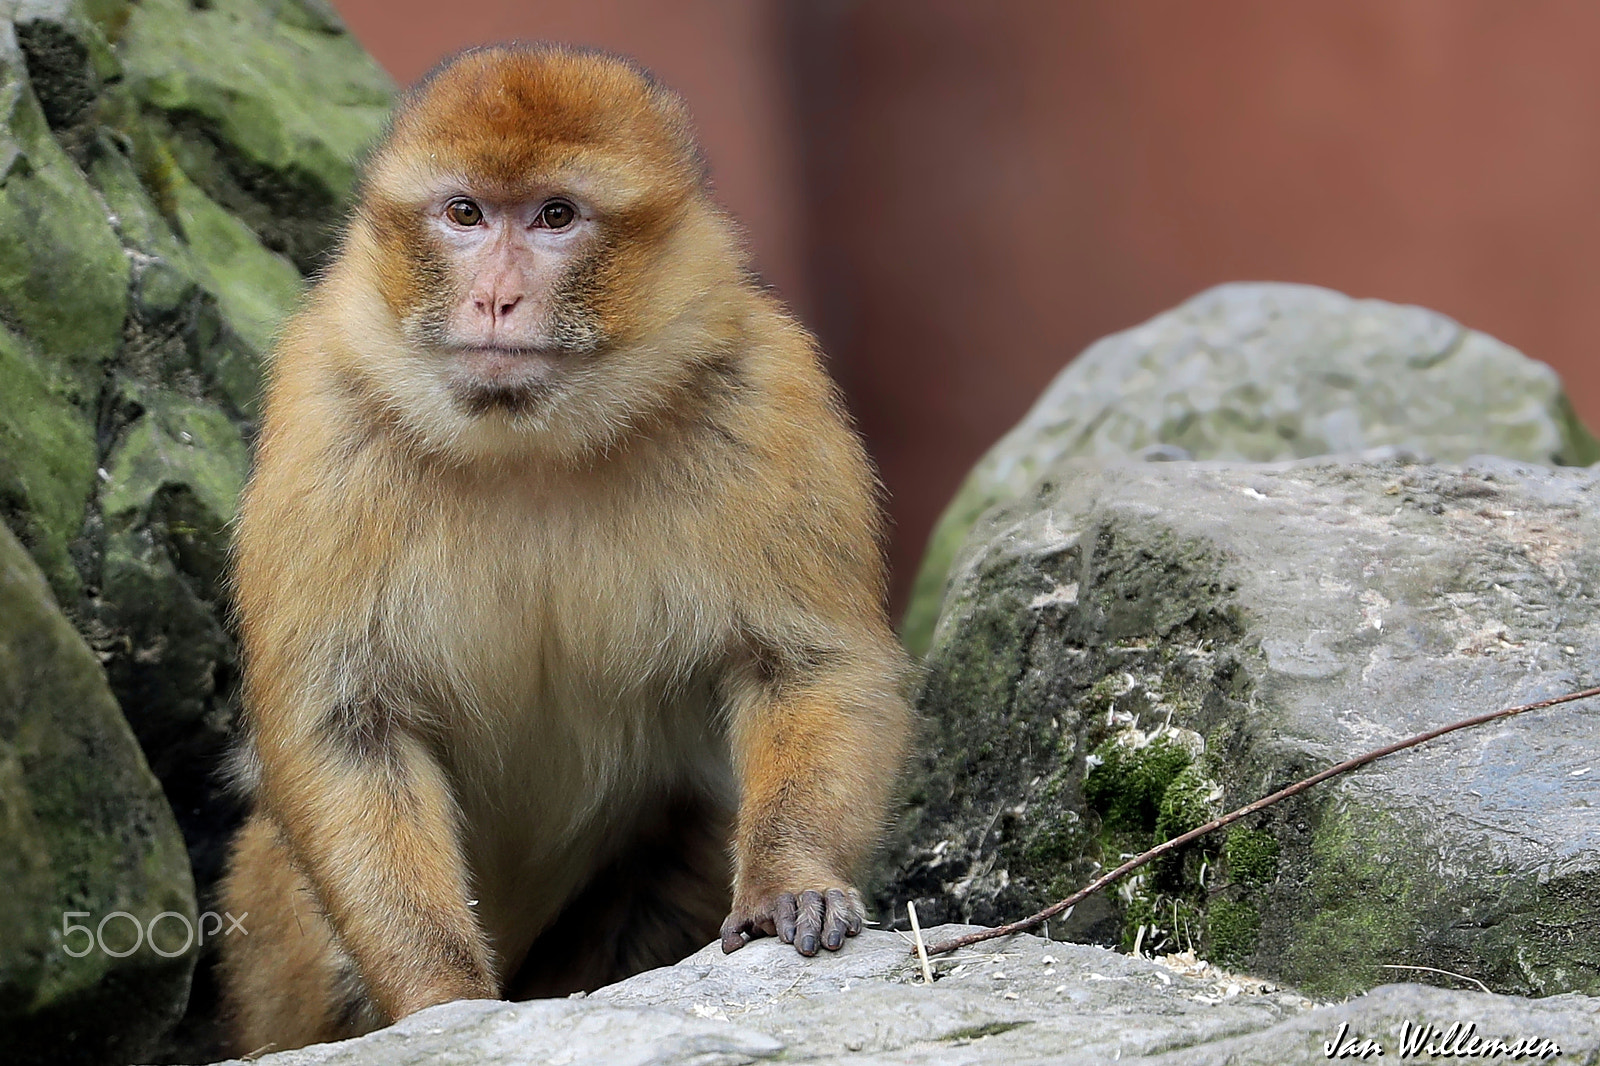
(486, 377)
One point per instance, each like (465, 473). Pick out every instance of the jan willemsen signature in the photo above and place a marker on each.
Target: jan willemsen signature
(1459, 1040)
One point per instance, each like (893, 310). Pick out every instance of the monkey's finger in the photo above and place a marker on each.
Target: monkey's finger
(837, 926)
(735, 933)
(858, 913)
(785, 912)
(808, 926)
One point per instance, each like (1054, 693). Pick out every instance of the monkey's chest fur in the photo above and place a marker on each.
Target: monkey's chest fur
(567, 664)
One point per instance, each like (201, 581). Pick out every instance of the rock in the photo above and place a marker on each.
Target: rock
(167, 171)
(266, 106)
(170, 489)
(55, 238)
(84, 834)
(47, 459)
(1266, 372)
(1134, 649)
(1023, 1000)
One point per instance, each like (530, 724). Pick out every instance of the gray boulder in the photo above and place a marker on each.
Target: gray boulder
(1133, 649)
(1023, 1000)
(1266, 372)
(84, 834)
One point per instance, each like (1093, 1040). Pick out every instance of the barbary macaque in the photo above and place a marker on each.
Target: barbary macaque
(558, 579)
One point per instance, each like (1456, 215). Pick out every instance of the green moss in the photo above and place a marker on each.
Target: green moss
(56, 247)
(1188, 803)
(1057, 841)
(246, 289)
(255, 288)
(167, 274)
(1139, 912)
(110, 15)
(98, 815)
(1578, 445)
(268, 113)
(46, 463)
(1127, 787)
(1232, 929)
(1363, 895)
(25, 871)
(927, 591)
(974, 1032)
(1252, 856)
(1170, 922)
(171, 493)
(1553, 945)
(176, 445)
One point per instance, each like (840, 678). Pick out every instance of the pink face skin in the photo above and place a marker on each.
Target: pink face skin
(514, 320)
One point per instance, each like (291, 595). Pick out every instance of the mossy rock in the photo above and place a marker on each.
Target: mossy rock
(168, 171)
(47, 460)
(267, 107)
(204, 287)
(1252, 856)
(1265, 372)
(57, 246)
(169, 497)
(84, 829)
(1275, 618)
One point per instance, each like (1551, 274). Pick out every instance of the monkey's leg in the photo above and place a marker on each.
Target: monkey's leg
(658, 902)
(285, 981)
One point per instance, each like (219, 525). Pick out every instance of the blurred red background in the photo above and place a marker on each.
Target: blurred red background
(959, 196)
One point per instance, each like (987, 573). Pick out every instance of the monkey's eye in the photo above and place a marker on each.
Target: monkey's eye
(557, 214)
(463, 212)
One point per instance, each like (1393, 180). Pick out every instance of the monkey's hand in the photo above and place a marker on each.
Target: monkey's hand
(813, 917)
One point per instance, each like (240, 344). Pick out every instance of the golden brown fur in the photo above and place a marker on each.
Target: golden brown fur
(518, 671)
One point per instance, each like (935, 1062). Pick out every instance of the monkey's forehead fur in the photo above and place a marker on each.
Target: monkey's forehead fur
(519, 121)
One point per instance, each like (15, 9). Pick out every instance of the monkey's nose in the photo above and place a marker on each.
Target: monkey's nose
(496, 306)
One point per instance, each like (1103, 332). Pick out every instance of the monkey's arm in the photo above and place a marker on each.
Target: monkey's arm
(816, 686)
(818, 736)
(369, 817)
(361, 802)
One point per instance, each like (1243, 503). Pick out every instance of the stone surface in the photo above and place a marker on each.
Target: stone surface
(83, 829)
(1023, 1000)
(47, 459)
(168, 496)
(265, 105)
(1265, 372)
(1133, 649)
(55, 238)
(167, 171)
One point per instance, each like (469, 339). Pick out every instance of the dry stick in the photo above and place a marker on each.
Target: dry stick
(1435, 969)
(1233, 816)
(922, 951)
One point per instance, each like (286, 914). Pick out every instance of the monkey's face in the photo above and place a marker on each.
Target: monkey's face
(536, 225)
(511, 307)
